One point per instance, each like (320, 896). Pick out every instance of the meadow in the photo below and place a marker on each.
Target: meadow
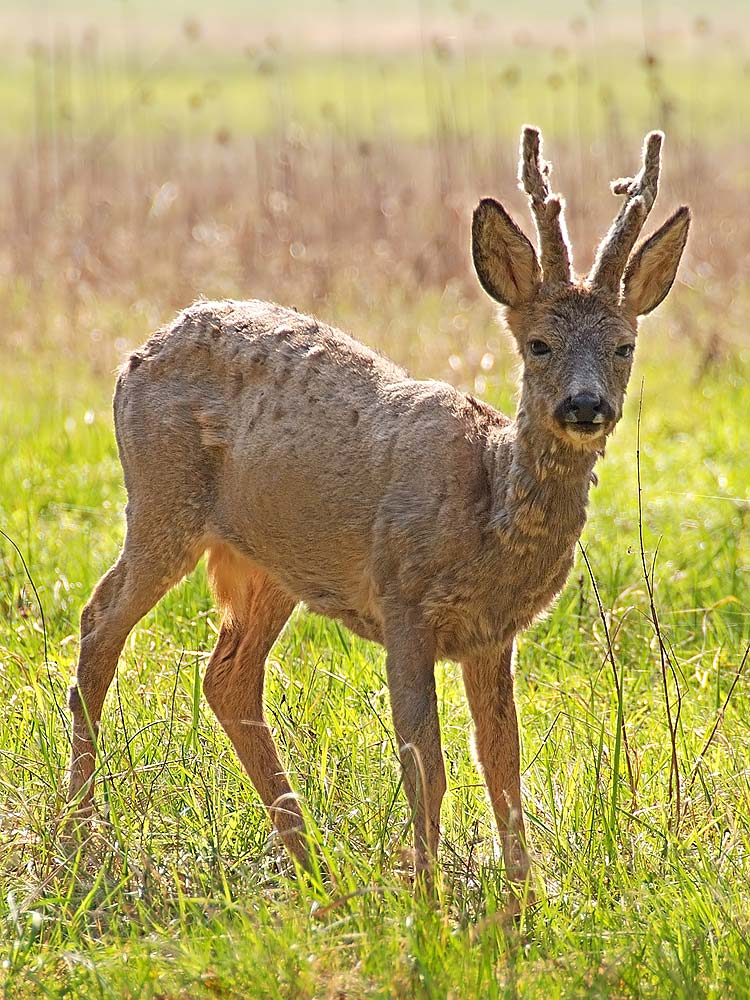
(136, 178)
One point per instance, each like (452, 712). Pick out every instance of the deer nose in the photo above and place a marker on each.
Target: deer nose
(586, 409)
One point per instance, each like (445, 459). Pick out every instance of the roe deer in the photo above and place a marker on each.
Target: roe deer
(311, 469)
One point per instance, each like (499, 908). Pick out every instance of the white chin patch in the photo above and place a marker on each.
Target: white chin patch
(582, 437)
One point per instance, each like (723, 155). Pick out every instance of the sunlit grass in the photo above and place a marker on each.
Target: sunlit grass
(699, 87)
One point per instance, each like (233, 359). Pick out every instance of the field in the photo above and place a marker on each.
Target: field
(142, 168)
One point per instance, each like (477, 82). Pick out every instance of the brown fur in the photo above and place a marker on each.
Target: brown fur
(311, 469)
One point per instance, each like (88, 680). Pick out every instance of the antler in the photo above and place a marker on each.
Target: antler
(640, 191)
(533, 173)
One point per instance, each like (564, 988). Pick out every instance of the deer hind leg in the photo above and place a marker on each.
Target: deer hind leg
(489, 688)
(255, 611)
(149, 565)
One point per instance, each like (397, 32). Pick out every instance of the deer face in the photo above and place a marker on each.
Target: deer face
(577, 354)
(576, 337)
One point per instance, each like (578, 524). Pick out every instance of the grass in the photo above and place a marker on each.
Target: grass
(342, 185)
(565, 89)
(179, 893)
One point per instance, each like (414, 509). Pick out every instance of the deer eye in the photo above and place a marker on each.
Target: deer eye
(539, 347)
(625, 351)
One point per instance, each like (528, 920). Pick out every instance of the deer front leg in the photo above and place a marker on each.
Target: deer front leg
(489, 687)
(410, 667)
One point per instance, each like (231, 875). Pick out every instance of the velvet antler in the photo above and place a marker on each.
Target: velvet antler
(640, 193)
(547, 209)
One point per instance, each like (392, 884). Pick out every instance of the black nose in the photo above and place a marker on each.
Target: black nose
(584, 409)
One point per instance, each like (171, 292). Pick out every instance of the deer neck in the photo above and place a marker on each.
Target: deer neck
(542, 502)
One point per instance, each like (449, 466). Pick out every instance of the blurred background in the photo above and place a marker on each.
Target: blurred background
(328, 155)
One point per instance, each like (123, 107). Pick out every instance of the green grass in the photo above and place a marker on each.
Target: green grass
(697, 86)
(180, 894)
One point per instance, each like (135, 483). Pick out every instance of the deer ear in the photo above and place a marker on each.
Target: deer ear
(652, 267)
(505, 261)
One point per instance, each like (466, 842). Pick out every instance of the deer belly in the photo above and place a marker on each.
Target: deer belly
(365, 623)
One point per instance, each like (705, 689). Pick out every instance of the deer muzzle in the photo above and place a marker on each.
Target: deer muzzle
(585, 413)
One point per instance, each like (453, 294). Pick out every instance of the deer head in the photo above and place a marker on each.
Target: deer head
(576, 336)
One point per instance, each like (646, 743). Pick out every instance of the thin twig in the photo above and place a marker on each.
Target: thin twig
(534, 759)
(27, 571)
(615, 676)
(665, 659)
(719, 720)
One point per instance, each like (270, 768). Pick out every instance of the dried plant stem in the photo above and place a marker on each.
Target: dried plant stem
(667, 666)
(27, 571)
(719, 719)
(616, 679)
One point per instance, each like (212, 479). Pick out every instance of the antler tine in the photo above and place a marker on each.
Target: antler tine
(547, 209)
(640, 194)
